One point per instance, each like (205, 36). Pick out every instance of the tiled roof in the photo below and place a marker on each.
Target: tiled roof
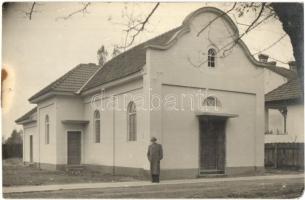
(26, 115)
(72, 81)
(290, 90)
(129, 62)
(283, 71)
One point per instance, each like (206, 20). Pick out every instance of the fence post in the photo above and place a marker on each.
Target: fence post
(275, 156)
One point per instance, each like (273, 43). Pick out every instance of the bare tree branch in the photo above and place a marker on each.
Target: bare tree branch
(271, 45)
(257, 18)
(250, 28)
(82, 10)
(213, 20)
(31, 11)
(137, 26)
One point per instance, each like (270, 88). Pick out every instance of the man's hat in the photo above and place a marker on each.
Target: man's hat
(153, 139)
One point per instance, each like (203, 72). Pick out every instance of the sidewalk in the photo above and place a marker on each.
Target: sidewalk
(20, 189)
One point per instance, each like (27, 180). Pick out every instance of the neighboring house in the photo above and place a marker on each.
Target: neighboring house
(224, 134)
(283, 104)
(287, 122)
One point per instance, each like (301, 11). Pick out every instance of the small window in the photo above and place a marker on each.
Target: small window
(211, 57)
(131, 122)
(211, 101)
(47, 130)
(97, 126)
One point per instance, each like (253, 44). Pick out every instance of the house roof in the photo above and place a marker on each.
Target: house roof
(290, 90)
(129, 62)
(26, 116)
(71, 82)
(287, 73)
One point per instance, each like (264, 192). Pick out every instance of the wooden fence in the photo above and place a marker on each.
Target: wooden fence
(11, 151)
(284, 155)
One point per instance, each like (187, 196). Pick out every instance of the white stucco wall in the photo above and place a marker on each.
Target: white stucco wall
(114, 148)
(67, 108)
(272, 80)
(47, 152)
(28, 130)
(235, 79)
(295, 126)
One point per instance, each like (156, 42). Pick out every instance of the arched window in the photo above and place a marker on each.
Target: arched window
(47, 129)
(97, 126)
(131, 122)
(211, 101)
(211, 57)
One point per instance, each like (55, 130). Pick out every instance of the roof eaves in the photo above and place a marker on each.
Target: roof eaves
(26, 115)
(51, 87)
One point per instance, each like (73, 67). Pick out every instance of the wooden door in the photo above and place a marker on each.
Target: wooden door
(74, 147)
(212, 145)
(31, 148)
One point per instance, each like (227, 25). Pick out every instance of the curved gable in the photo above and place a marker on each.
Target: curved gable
(219, 15)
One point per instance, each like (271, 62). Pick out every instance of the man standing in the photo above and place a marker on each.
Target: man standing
(154, 155)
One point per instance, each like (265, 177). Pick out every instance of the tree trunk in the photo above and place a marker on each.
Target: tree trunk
(292, 17)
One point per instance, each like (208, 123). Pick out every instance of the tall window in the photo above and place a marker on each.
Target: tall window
(211, 57)
(47, 129)
(97, 126)
(132, 122)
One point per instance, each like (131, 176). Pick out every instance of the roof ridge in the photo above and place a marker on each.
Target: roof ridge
(117, 60)
(81, 88)
(142, 43)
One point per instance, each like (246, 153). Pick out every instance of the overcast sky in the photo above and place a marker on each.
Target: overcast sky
(38, 51)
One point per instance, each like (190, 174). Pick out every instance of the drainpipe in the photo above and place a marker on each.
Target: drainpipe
(113, 140)
(39, 133)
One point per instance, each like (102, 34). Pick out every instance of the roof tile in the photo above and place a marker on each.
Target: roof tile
(72, 81)
(129, 62)
(290, 90)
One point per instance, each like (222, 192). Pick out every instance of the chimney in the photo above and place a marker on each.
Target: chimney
(292, 66)
(263, 58)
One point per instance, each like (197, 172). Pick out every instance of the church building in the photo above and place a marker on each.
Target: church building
(196, 88)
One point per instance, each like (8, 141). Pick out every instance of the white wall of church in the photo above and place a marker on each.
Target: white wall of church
(30, 130)
(114, 149)
(180, 129)
(67, 108)
(47, 152)
(236, 80)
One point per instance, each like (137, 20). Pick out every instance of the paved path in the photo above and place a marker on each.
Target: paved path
(40, 188)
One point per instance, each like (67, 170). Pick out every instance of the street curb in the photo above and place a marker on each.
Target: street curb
(42, 188)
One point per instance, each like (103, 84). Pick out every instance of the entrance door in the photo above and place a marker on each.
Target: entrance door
(31, 148)
(212, 145)
(74, 147)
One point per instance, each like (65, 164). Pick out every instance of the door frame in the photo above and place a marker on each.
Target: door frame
(225, 120)
(81, 143)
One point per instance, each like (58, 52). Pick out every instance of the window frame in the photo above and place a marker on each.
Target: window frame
(211, 58)
(216, 104)
(131, 122)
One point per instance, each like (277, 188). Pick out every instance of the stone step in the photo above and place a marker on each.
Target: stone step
(75, 169)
